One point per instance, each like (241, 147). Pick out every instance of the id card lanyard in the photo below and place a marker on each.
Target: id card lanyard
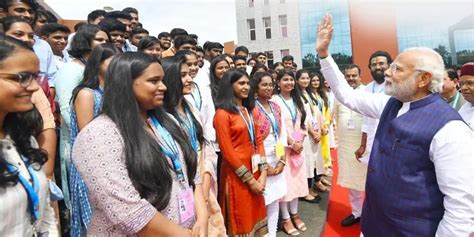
(250, 126)
(292, 111)
(272, 119)
(170, 148)
(197, 97)
(31, 191)
(191, 129)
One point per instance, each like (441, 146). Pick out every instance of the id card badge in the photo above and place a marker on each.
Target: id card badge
(186, 205)
(351, 124)
(255, 161)
(279, 150)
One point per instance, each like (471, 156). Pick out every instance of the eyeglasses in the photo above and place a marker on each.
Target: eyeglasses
(24, 78)
(394, 68)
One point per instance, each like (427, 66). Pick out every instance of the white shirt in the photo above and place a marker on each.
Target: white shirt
(467, 113)
(202, 78)
(451, 151)
(369, 125)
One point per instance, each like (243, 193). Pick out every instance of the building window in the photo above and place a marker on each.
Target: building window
(282, 1)
(269, 58)
(284, 52)
(250, 3)
(266, 2)
(283, 26)
(267, 25)
(251, 27)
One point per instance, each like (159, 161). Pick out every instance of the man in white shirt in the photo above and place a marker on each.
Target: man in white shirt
(419, 180)
(378, 63)
(467, 89)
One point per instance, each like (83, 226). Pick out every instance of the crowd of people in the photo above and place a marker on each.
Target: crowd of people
(109, 131)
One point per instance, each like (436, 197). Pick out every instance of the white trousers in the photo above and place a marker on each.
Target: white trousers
(272, 217)
(292, 205)
(357, 200)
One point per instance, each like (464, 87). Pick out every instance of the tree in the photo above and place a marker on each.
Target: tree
(445, 54)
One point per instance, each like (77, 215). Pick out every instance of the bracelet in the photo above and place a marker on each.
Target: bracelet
(263, 166)
(282, 161)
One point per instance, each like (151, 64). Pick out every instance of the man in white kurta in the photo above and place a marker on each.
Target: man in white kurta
(466, 81)
(450, 149)
(352, 173)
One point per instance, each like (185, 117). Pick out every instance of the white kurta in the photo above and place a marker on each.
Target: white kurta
(450, 151)
(467, 113)
(352, 173)
(276, 186)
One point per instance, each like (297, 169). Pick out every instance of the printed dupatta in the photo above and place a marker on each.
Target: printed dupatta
(262, 122)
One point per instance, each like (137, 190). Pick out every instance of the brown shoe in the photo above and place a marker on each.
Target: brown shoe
(289, 228)
(319, 187)
(298, 222)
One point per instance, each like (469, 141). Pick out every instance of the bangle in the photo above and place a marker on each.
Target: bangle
(282, 161)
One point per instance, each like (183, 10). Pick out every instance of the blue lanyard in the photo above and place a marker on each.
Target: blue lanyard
(197, 99)
(271, 118)
(249, 124)
(292, 112)
(31, 191)
(191, 129)
(170, 150)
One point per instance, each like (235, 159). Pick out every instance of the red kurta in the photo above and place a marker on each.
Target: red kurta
(244, 211)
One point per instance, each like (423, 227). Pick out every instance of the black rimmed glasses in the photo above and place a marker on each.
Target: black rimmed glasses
(24, 78)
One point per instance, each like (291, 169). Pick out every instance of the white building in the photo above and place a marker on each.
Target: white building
(270, 26)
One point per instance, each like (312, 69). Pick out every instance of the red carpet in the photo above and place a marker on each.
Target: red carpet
(339, 208)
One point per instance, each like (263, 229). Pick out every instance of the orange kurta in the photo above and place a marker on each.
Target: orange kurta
(244, 211)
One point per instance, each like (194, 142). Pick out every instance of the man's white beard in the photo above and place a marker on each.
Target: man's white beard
(403, 90)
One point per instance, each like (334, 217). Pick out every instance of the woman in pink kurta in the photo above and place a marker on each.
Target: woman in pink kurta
(293, 112)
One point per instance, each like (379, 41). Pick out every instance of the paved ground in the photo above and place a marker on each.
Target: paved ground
(314, 216)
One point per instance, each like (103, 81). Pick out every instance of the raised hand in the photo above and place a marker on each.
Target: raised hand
(325, 29)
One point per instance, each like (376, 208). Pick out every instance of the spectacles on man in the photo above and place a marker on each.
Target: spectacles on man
(24, 78)
(394, 68)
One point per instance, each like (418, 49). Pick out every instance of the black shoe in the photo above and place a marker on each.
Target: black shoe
(350, 220)
(316, 199)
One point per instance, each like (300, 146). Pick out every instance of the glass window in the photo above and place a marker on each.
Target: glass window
(282, 1)
(284, 52)
(267, 26)
(266, 2)
(283, 26)
(269, 57)
(250, 3)
(251, 28)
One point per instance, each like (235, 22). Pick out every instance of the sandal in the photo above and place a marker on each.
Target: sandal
(300, 225)
(325, 182)
(292, 231)
(319, 187)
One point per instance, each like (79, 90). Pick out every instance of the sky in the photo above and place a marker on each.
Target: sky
(211, 20)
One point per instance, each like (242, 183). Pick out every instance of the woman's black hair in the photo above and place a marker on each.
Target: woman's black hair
(91, 72)
(321, 92)
(147, 166)
(258, 66)
(174, 91)
(256, 79)
(82, 41)
(185, 52)
(147, 42)
(295, 95)
(20, 126)
(299, 73)
(225, 96)
(8, 21)
(215, 83)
